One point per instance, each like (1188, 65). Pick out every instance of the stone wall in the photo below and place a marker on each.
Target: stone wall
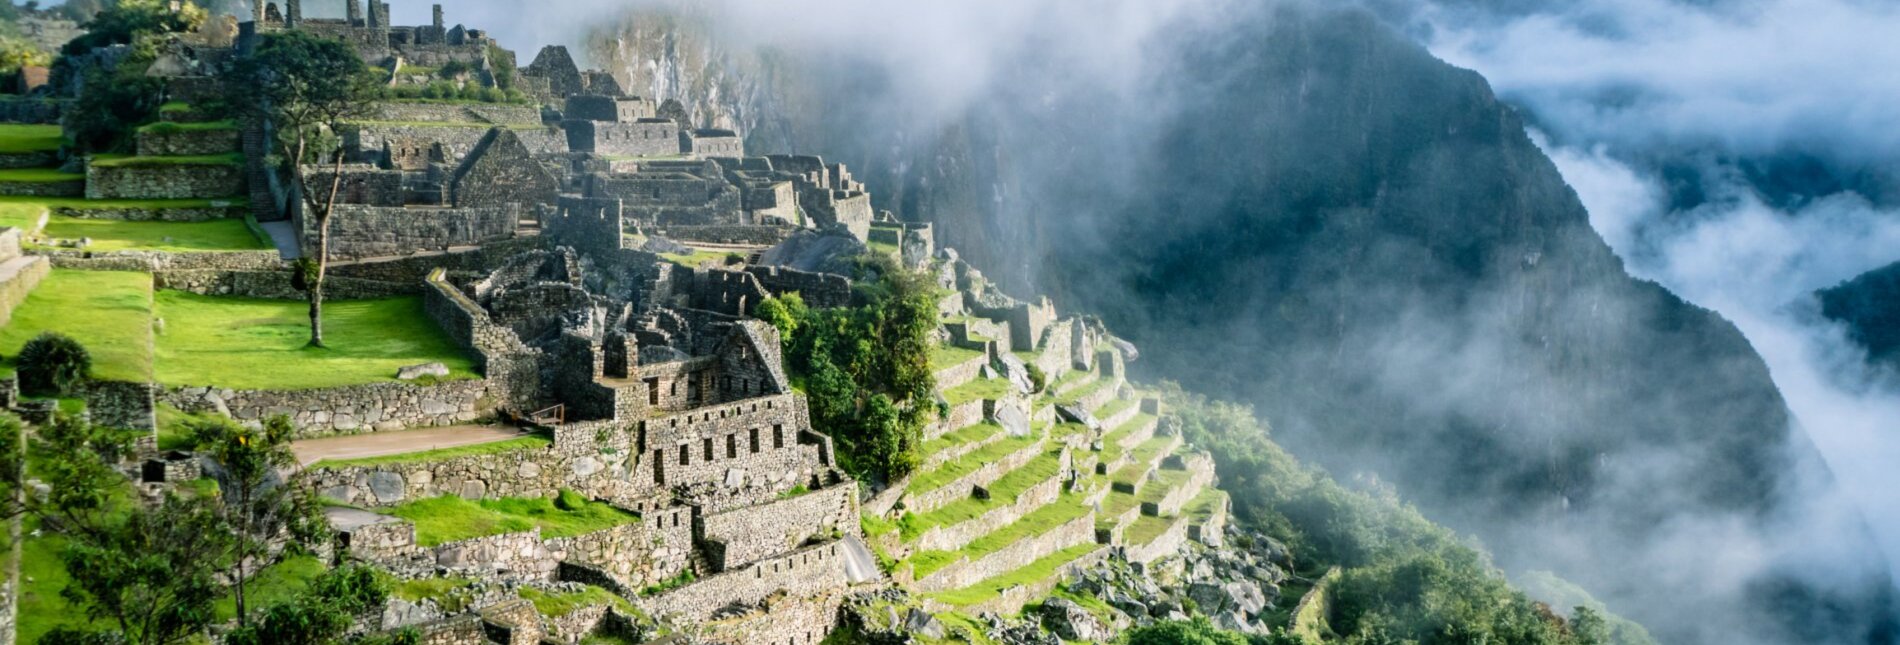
(31, 110)
(789, 620)
(150, 261)
(232, 209)
(358, 231)
(1212, 530)
(350, 409)
(117, 404)
(526, 472)
(501, 170)
(1200, 469)
(961, 373)
(17, 279)
(372, 142)
(275, 285)
(158, 142)
(806, 572)
(754, 533)
(962, 415)
(965, 572)
(643, 138)
(745, 452)
(73, 188)
(1167, 544)
(634, 556)
(1011, 600)
(761, 235)
(29, 159)
(468, 113)
(510, 367)
(820, 290)
(208, 181)
(415, 269)
(361, 184)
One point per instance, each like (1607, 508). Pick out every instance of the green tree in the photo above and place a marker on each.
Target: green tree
(16, 52)
(53, 364)
(256, 503)
(77, 461)
(1183, 632)
(152, 573)
(321, 614)
(783, 312)
(307, 86)
(126, 21)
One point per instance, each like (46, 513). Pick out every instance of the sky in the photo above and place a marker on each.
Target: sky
(1628, 95)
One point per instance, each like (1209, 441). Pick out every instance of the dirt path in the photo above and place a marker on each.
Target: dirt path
(378, 444)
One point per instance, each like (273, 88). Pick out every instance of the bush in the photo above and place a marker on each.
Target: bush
(53, 364)
(1037, 379)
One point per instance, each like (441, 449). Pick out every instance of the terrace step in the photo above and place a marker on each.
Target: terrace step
(72, 187)
(1028, 489)
(18, 277)
(960, 442)
(977, 468)
(1074, 525)
(1007, 592)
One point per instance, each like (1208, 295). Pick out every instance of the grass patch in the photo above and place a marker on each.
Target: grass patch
(448, 518)
(1003, 492)
(698, 257)
(262, 344)
(1148, 451)
(1113, 407)
(110, 312)
(171, 427)
(1204, 505)
(956, 468)
(120, 235)
(21, 215)
(129, 161)
(991, 389)
(42, 576)
(1036, 571)
(948, 356)
(445, 591)
(277, 583)
(1042, 520)
(1164, 482)
(965, 435)
(558, 604)
(1114, 505)
(171, 127)
(530, 442)
(38, 176)
(1145, 529)
(19, 138)
(174, 107)
(1085, 391)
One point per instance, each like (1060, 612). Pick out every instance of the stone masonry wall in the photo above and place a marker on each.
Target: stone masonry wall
(526, 472)
(359, 231)
(821, 290)
(274, 285)
(930, 500)
(753, 533)
(342, 410)
(760, 235)
(117, 404)
(1164, 545)
(510, 367)
(149, 261)
(164, 181)
(806, 572)
(401, 112)
(231, 209)
(961, 534)
(637, 555)
(158, 143)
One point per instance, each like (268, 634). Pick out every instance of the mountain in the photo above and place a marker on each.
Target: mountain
(1302, 209)
(1869, 305)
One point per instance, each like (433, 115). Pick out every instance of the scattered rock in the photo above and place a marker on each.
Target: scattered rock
(1071, 622)
(414, 372)
(923, 624)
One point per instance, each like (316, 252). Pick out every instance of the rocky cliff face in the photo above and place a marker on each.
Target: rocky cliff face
(1301, 209)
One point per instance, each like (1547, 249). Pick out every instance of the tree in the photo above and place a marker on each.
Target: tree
(125, 21)
(1182, 632)
(76, 461)
(322, 614)
(53, 364)
(307, 87)
(256, 503)
(783, 312)
(152, 573)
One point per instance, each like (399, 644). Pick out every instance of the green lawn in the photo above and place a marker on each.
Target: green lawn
(129, 161)
(530, 442)
(281, 581)
(1036, 571)
(38, 176)
(440, 520)
(991, 389)
(262, 344)
(21, 215)
(948, 356)
(42, 576)
(1164, 482)
(119, 235)
(169, 127)
(698, 257)
(1113, 407)
(22, 138)
(968, 434)
(555, 605)
(110, 312)
(1203, 506)
(1145, 529)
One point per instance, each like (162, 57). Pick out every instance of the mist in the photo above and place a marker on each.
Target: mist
(1082, 150)
(1636, 94)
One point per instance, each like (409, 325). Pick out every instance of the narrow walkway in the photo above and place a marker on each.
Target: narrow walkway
(379, 444)
(284, 236)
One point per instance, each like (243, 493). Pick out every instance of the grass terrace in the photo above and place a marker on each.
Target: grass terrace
(440, 520)
(451, 593)
(110, 312)
(1003, 492)
(1042, 520)
(961, 466)
(279, 582)
(174, 107)
(169, 127)
(1116, 503)
(948, 356)
(1112, 441)
(38, 176)
(262, 344)
(1145, 529)
(965, 435)
(1148, 451)
(1113, 407)
(129, 161)
(1086, 390)
(525, 443)
(992, 389)
(1164, 482)
(1035, 572)
(558, 604)
(700, 256)
(118, 235)
(1204, 505)
(20, 138)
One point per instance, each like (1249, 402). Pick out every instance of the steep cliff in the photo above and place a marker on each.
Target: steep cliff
(1301, 209)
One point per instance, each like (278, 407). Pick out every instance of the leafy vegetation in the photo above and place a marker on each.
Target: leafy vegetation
(52, 364)
(449, 518)
(866, 370)
(255, 343)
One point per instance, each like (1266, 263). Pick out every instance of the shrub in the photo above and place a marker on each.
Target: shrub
(453, 69)
(1037, 379)
(569, 500)
(53, 364)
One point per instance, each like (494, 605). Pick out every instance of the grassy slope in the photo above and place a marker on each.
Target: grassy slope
(38, 176)
(21, 138)
(109, 312)
(250, 343)
(117, 235)
(449, 518)
(531, 442)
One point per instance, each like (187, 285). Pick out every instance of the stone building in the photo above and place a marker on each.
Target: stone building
(378, 41)
(501, 170)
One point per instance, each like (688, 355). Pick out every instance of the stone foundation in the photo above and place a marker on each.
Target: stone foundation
(187, 142)
(164, 181)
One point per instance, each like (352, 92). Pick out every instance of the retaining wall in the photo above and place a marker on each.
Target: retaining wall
(185, 143)
(342, 410)
(164, 181)
(753, 533)
(1019, 554)
(274, 285)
